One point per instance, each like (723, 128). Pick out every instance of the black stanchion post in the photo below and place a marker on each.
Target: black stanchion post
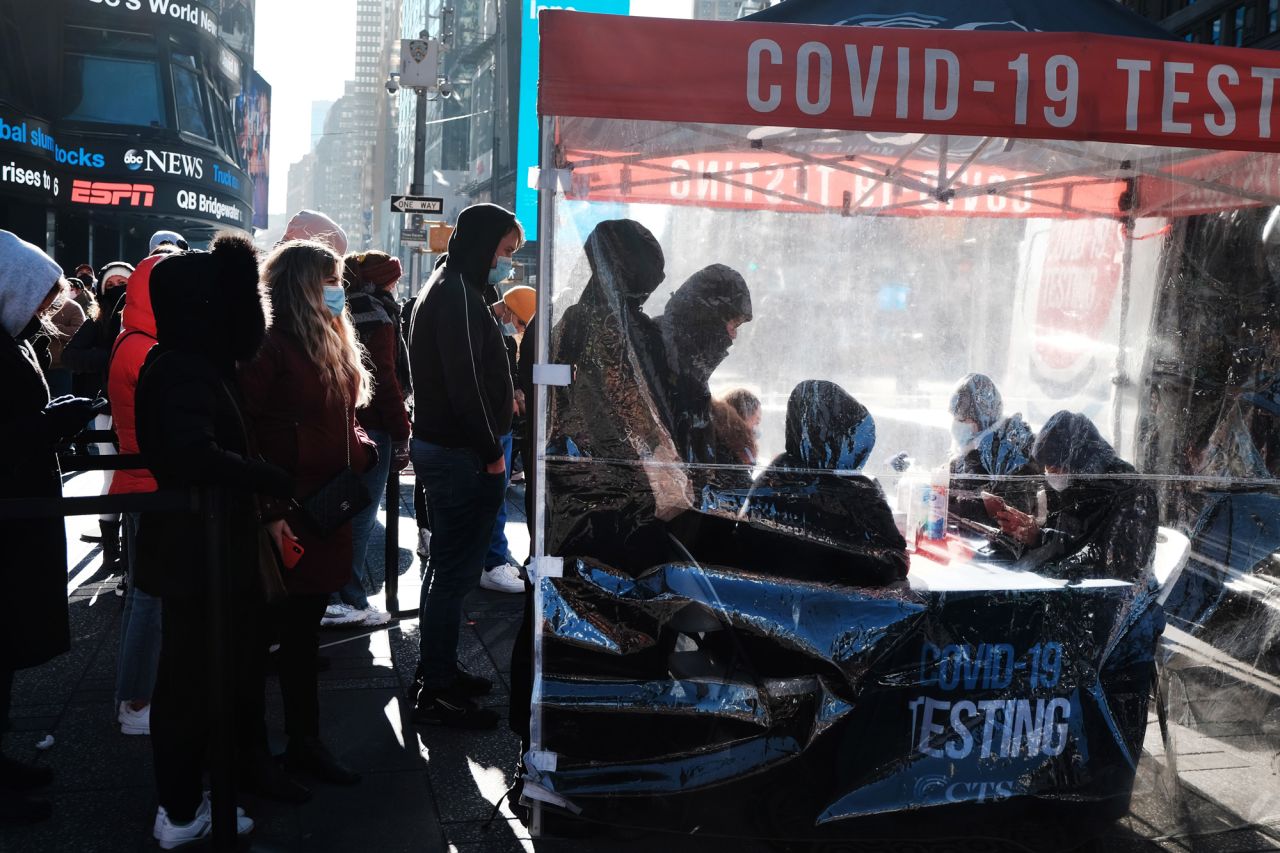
(391, 554)
(222, 748)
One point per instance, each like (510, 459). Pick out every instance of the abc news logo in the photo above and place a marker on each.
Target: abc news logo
(165, 162)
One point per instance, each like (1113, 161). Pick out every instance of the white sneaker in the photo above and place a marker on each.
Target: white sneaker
(373, 617)
(504, 578)
(162, 817)
(424, 542)
(134, 722)
(171, 835)
(340, 614)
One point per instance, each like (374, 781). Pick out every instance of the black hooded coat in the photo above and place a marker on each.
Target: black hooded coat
(696, 341)
(1103, 524)
(461, 374)
(209, 315)
(612, 412)
(805, 520)
(35, 560)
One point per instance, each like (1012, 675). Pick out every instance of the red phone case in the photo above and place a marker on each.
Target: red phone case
(292, 552)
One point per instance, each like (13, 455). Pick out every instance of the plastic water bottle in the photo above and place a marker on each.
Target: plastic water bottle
(935, 509)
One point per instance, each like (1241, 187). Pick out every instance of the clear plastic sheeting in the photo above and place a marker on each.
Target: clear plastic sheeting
(872, 510)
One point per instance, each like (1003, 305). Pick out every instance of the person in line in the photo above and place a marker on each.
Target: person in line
(367, 277)
(209, 316)
(812, 514)
(462, 386)
(35, 562)
(139, 653)
(87, 354)
(616, 410)
(84, 297)
(301, 394)
(314, 225)
(990, 453)
(735, 420)
(698, 326)
(1101, 520)
(67, 320)
(513, 313)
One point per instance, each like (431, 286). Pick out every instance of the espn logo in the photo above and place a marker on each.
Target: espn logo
(104, 192)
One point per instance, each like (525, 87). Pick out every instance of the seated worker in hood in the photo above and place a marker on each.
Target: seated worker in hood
(1101, 520)
(988, 448)
(812, 514)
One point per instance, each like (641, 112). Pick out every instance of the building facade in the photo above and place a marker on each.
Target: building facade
(1235, 23)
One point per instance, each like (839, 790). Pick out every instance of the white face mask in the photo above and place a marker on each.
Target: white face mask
(1057, 482)
(962, 433)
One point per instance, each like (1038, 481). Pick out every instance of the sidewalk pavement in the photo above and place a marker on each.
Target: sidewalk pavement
(427, 788)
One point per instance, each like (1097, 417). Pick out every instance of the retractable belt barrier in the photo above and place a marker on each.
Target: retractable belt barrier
(207, 502)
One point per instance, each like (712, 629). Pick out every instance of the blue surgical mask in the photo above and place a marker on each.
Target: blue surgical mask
(510, 330)
(335, 299)
(501, 272)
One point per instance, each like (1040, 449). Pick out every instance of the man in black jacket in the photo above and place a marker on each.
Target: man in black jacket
(463, 406)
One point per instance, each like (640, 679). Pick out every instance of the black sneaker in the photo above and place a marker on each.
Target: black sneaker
(446, 708)
(466, 684)
(22, 810)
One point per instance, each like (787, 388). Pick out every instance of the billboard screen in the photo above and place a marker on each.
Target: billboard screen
(527, 132)
(253, 136)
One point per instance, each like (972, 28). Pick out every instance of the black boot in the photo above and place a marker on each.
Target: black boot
(261, 775)
(310, 755)
(111, 545)
(21, 809)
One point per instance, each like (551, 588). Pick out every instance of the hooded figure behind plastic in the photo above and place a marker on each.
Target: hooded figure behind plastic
(1103, 524)
(812, 514)
(614, 413)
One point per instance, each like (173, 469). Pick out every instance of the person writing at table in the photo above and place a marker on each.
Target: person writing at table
(991, 452)
(1101, 520)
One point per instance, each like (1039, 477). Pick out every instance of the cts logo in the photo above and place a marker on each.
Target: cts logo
(104, 192)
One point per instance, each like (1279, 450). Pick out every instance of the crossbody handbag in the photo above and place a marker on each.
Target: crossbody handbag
(339, 500)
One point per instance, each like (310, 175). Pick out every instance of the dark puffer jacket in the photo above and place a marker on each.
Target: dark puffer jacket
(188, 416)
(810, 515)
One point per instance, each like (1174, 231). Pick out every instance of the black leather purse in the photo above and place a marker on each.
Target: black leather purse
(339, 500)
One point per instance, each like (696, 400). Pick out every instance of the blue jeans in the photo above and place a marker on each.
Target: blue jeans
(375, 481)
(139, 656)
(499, 550)
(462, 500)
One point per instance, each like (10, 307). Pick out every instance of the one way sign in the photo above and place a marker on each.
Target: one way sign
(417, 204)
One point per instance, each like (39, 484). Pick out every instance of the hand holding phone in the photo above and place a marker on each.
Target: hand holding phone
(290, 551)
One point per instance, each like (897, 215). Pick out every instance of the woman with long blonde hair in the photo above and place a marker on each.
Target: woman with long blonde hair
(301, 393)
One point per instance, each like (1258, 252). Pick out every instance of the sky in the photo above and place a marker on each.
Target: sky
(307, 57)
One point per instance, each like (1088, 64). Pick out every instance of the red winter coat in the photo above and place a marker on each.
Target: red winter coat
(298, 427)
(137, 337)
